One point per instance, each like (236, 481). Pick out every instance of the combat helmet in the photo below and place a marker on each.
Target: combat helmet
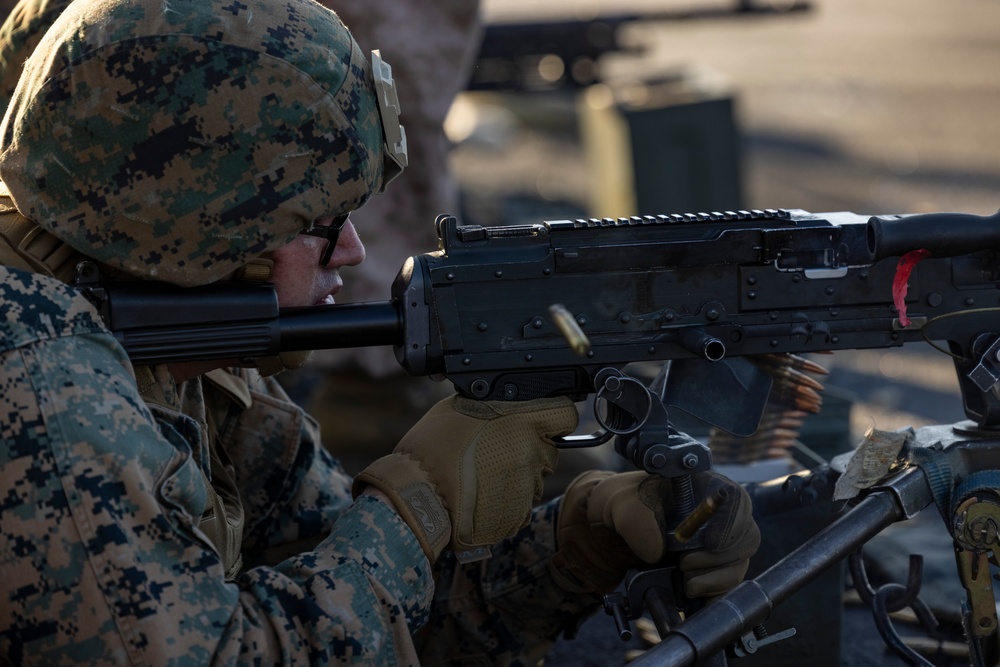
(176, 140)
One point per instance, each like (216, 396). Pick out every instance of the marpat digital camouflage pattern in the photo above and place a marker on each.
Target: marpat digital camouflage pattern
(104, 563)
(104, 556)
(224, 129)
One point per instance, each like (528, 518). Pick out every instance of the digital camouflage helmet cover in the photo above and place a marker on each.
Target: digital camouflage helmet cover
(178, 139)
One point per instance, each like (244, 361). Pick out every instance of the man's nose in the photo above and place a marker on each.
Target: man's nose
(350, 250)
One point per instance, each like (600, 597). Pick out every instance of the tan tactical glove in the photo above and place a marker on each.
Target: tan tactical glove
(609, 523)
(469, 472)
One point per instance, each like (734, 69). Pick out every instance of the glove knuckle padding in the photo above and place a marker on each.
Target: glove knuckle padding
(486, 461)
(632, 506)
(511, 454)
(591, 556)
(607, 527)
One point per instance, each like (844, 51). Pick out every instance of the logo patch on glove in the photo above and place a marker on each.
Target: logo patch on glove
(427, 509)
(472, 555)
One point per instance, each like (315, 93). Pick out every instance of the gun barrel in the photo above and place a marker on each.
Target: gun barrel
(208, 337)
(943, 234)
(345, 325)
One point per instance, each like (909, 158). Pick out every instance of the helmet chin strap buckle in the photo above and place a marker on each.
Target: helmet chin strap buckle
(388, 111)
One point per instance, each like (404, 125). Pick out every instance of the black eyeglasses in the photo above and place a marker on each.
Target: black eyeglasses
(329, 232)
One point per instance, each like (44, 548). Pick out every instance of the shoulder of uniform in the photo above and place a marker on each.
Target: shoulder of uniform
(35, 307)
(231, 385)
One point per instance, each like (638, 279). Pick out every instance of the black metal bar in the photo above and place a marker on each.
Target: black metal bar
(343, 325)
(292, 329)
(719, 624)
(943, 234)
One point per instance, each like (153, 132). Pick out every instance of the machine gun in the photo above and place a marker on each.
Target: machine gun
(562, 307)
(708, 286)
(554, 54)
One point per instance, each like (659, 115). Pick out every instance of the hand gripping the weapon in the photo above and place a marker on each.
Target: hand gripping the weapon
(610, 523)
(468, 473)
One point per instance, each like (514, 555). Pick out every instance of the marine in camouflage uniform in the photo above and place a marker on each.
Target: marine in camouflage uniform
(150, 520)
(117, 477)
(105, 561)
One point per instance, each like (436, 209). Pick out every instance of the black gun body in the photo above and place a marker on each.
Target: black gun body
(640, 289)
(644, 288)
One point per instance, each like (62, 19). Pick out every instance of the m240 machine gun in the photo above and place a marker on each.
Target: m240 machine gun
(562, 307)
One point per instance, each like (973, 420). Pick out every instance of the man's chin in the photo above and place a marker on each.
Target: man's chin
(293, 360)
(283, 361)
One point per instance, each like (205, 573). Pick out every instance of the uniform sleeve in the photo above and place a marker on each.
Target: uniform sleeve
(102, 559)
(506, 610)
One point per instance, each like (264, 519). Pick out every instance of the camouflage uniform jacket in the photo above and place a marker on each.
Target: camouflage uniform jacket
(104, 560)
